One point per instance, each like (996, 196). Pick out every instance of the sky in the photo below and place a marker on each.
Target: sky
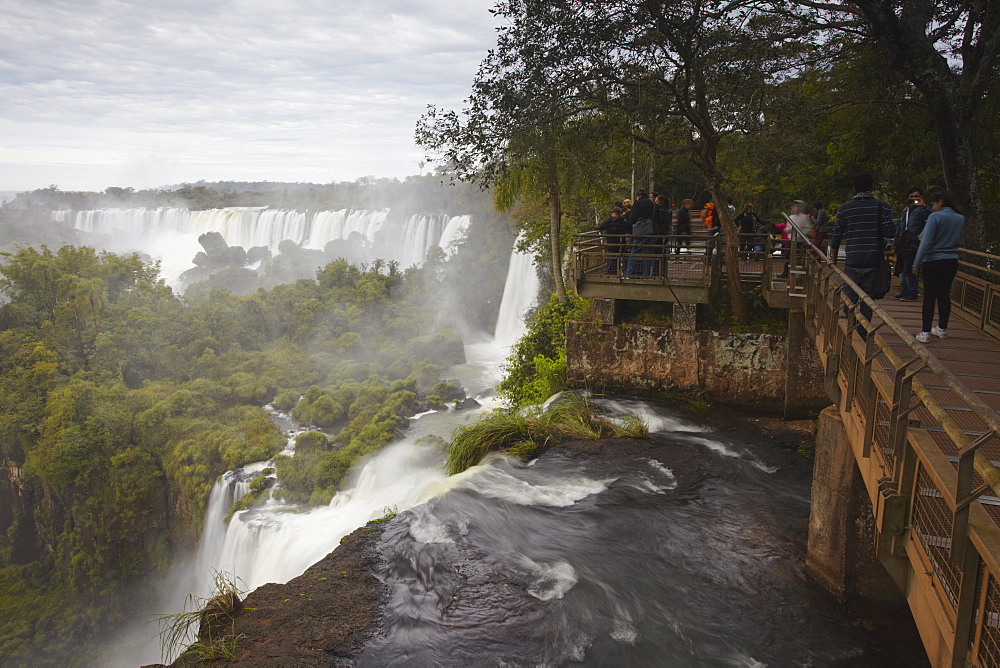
(101, 93)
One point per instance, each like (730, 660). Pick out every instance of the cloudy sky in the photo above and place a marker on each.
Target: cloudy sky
(99, 93)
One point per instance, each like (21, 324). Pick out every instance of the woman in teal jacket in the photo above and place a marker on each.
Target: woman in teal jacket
(938, 256)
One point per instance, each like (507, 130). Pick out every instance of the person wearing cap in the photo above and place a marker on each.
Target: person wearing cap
(645, 220)
(614, 230)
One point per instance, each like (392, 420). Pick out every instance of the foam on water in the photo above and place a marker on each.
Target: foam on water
(427, 529)
(495, 483)
(726, 451)
(551, 580)
(624, 631)
(656, 420)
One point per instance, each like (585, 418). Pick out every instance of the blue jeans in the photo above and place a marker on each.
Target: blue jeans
(637, 266)
(908, 283)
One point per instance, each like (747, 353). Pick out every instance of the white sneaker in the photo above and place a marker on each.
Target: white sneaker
(938, 332)
(924, 337)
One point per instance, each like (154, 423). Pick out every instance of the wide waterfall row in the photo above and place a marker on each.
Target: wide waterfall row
(259, 226)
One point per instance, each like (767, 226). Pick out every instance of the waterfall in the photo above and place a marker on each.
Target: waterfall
(329, 225)
(419, 234)
(228, 489)
(170, 234)
(519, 294)
(455, 228)
(277, 542)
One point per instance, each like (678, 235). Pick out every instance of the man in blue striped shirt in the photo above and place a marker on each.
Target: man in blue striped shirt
(863, 224)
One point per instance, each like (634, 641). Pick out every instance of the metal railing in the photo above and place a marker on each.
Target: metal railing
(682, 259)
(975, 294)
(926, 484)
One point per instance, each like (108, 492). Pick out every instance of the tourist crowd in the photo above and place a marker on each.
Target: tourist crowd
(925, 238)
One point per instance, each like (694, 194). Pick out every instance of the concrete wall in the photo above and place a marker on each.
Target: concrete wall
(746, 370)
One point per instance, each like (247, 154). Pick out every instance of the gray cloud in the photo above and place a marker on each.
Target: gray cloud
(106, 92)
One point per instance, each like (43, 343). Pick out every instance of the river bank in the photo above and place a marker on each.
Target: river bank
(684, 548)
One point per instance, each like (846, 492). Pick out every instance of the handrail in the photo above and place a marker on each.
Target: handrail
(983, 466)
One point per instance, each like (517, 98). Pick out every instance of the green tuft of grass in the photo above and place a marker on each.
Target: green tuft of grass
(522, 433)
(214, 620)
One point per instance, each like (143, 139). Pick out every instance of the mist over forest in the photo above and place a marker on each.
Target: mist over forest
(124, 398)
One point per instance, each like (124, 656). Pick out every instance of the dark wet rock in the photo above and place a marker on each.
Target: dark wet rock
(323, 617)
(466, 404)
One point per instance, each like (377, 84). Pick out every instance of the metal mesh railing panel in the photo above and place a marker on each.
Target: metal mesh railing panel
(883, 417)
(973, 298)
(933, 520)
(860, 385)
(994, 314)
(989, 642)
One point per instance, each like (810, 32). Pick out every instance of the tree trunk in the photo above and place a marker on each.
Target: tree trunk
(555, 237)
(733, 284)
(950, 91)
(958, 162)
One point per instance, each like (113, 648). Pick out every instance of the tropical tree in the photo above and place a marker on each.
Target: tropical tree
(677, 76)
(520, 132)
(948, 49)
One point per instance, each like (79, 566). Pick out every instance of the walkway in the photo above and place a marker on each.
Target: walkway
(924, 427)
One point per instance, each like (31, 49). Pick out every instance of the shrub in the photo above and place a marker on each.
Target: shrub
(286, 400)
(537, 367)
(311, 441)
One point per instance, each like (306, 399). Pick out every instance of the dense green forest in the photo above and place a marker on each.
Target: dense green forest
(121, 403)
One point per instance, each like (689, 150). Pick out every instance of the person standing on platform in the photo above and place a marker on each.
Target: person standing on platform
(800, 221)
(746, 224)
(614, 230)
(937, 255)
(644, 219)
(821, 224)
(911, 228)
(862, 224)
(683, 231)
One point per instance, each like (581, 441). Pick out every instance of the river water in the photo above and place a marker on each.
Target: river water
(687, 551)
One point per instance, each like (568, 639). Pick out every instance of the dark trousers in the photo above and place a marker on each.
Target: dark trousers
(938, 277)
(907, 281)
(614, 256)
(858, 274)
(683, 239)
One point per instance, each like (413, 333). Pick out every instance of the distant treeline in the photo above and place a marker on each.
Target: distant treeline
(415, 194)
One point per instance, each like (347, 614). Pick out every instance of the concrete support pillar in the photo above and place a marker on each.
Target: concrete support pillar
(606, 310)
(685, 317)
(802, 368)
(841, 554)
